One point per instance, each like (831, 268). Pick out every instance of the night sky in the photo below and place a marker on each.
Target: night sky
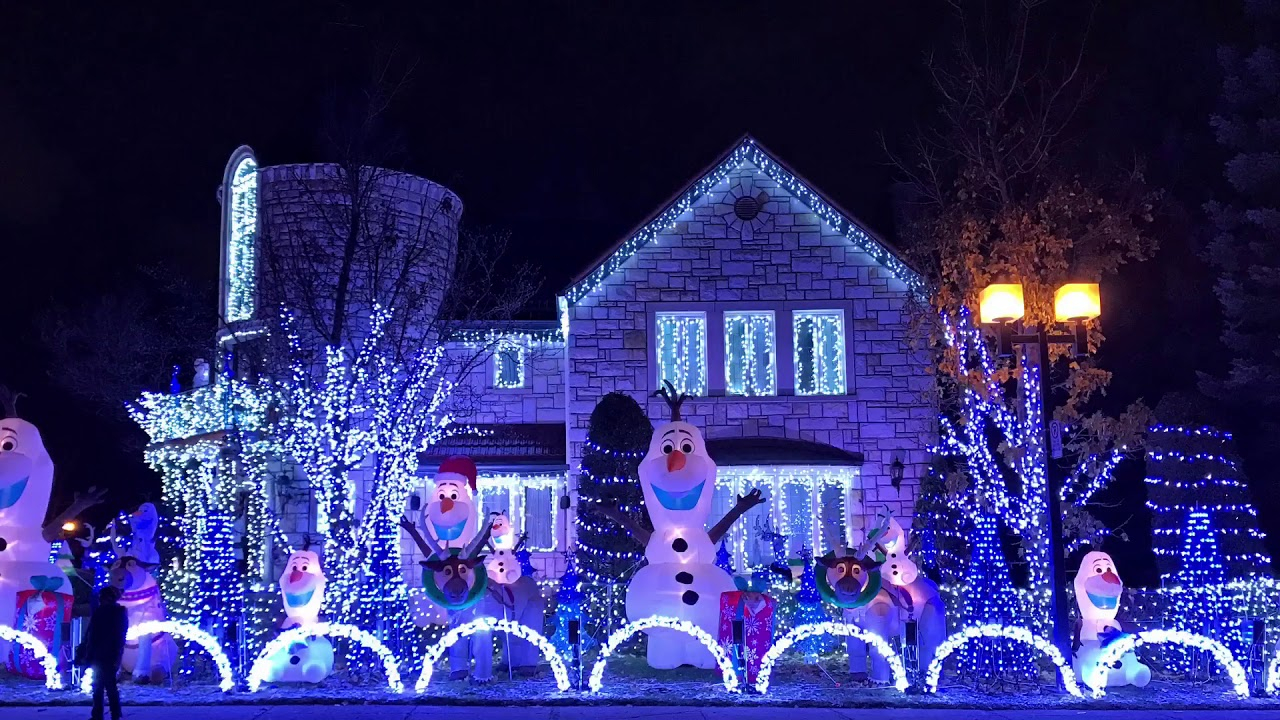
(565, 127)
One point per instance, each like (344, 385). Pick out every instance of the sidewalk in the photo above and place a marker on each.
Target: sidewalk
(430, 712)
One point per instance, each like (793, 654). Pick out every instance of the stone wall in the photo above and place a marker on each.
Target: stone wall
(541, 400)
(782, 260)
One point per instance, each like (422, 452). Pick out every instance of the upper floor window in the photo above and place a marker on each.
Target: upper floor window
(682, 351)
(240, 235)
(819, 352)
(508, 364)
(749, 347)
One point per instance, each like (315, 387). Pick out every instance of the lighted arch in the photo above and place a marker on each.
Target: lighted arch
(1019, 634)
(258, 673)
(831, 628)
(186, 631)
(524, 632)
(52, 679)
(1097, 675)
(596, 681)
(239, 236)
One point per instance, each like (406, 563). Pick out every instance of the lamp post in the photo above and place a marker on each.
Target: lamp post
(1002, 305)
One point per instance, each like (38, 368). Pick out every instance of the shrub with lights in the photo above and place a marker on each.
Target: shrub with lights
(617, 438)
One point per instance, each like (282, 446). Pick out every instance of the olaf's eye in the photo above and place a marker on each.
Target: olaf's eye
(686, 447)
(1099, 571)
(668, 447)
(7, 445)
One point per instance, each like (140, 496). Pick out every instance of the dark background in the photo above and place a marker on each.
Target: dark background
(565, 123)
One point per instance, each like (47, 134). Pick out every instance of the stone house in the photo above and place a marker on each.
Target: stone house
(783, 316)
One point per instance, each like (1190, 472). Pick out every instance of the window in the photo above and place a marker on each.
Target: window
(749, 344)
(529, 501)
(508, 364)
(240, 228)
(819, 352)
(682, 351)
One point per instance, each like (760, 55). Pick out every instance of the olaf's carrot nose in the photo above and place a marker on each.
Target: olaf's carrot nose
(675, 461)
(446, 504)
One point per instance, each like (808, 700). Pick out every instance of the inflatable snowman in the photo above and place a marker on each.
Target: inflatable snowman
(1098, 591)
(302, 590)
(27, 577)
(143, 524)
(451, 517)
(681, 579)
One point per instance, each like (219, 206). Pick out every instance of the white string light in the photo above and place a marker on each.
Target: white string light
(682, 351)
(52, 680)
(509, 355)
(186, 631)
(750, 350)
(596, 680)
(1018, 634)
(803, 632)
(437, 651)
(262, 665)
(825, 373)
(242, 226)
(745, 153)
(1096, 677)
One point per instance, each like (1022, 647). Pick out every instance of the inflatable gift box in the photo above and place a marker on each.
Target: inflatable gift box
(46, 614)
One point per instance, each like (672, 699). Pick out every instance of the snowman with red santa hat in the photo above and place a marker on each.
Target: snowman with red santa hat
(451, 516)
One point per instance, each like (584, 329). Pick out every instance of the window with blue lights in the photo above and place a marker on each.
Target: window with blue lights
(819, 352)
(508, 365)
(682, 351)
(749, 349)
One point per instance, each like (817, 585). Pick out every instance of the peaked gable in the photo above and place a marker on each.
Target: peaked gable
(746, 151)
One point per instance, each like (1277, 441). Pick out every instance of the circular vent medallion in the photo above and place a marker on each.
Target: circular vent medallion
(746, 208)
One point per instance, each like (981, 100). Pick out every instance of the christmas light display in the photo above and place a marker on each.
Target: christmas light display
(52, 679)
(596, 680)
(489, 624)
(261, 666)
(1205, 536)
(510, 492)
(747, 152)
(185, 631)
(819, 352)
(608, 481)
(569, 601)
(750, 366)
(803, 632)
(1112, 653)
(989, 598)
(809, 609)
(240, 225)
(682, 351)
(1018, 634)
(804, 500)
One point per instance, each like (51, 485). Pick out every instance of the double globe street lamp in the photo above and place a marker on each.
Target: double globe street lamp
(1001, 306)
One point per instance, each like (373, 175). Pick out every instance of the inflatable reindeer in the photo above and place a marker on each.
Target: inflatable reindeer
(681, 579)
(150, 658)
(1098, 590)
(852, 582)
(302, 590)
(35, 594)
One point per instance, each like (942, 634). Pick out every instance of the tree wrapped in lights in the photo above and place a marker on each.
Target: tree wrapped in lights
(988, 598)
(809, 609)
(1205, 534)
(569, 601)
(617, 439)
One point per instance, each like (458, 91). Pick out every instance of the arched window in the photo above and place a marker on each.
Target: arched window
(239, 237)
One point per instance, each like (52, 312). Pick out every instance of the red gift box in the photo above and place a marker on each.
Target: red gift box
(46, 615)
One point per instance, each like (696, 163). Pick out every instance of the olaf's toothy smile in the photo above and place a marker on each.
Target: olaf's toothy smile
(674, 500)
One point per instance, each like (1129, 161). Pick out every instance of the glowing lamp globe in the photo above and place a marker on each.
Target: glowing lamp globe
(1001, 303)
(1077, 301)
(69, 526)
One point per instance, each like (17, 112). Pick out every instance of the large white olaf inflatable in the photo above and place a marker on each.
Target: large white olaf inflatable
(681, 579)
(302, 589)
(1098, 590)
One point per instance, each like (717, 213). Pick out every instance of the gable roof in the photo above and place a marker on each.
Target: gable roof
(746, 150)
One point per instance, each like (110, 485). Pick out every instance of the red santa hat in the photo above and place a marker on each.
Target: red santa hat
(458, 468)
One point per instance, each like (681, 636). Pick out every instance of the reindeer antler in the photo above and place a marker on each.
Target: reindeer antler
(9, 400)
(674, 399)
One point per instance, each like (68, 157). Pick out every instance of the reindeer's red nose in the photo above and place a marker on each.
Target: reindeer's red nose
(1111, 577)
(446, 504)
(675, 461)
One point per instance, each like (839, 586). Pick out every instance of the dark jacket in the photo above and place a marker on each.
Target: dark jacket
(107, 630)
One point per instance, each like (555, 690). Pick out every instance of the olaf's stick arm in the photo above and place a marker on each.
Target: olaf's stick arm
(745, 503)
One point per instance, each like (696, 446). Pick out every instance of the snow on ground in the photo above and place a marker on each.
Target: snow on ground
(628, 680)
